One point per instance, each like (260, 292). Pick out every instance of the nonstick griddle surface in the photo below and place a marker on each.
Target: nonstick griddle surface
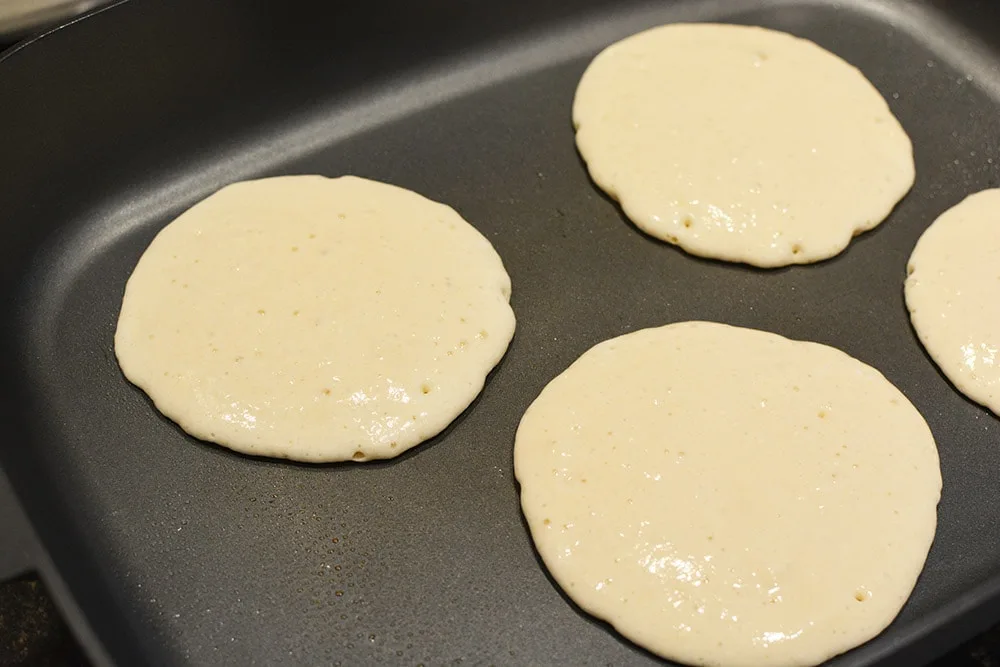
(183, 552)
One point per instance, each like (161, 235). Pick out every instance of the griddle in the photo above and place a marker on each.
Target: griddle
(171, 551)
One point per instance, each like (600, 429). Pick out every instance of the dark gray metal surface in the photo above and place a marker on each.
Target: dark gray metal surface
(19, 546)
(182, 552)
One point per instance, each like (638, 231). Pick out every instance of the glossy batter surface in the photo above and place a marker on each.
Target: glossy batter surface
(740, 143)
(726, 496)
(315, 319)
(953, 295)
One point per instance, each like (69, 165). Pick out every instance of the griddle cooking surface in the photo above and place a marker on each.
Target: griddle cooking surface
(204, 556)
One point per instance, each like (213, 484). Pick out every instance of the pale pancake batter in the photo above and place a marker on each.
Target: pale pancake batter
(726, 496)
(315, 319)
(953, 295)
(740, 143)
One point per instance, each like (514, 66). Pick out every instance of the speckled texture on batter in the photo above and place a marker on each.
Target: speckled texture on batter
(740, 143)
(315, 319)
(726, 496)
(953, 295)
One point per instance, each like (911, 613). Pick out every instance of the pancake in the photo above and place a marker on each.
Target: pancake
(953, 295)
(315, 319)
(726, 496)
(740, 143)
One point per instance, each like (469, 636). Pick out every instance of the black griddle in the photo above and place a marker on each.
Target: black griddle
(170, 551)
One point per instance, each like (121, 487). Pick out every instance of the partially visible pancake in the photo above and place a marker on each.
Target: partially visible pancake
(953, 295)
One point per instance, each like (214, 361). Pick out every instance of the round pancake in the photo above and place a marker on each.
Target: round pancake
(315, 319)
(740, 143)
(726, 496)
(953, 295)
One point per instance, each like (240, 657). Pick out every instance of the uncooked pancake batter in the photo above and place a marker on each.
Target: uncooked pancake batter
(953, 295)
(740, 143)
(726, 496)
(315, 319)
